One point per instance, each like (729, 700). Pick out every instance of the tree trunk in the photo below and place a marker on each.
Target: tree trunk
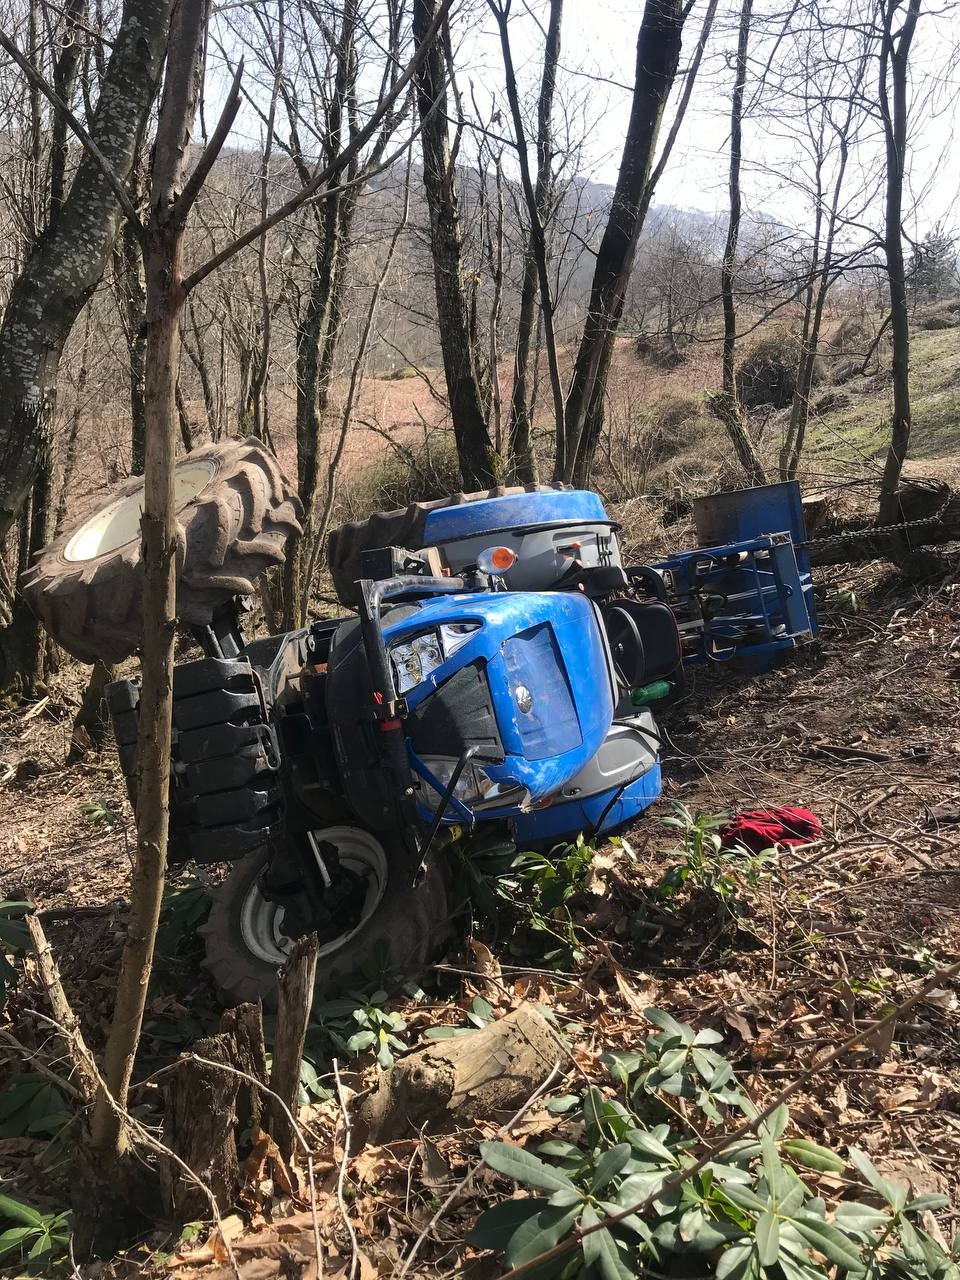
(658, 55)
(164, 300)
(65, 70)
(23, 644)
(128, 277)
(726, 404)
(92, 722)
(317, 342)
(894, 60)
(538, 199)
(319, 327)
(64, 267)
(153, 750)
(323, 520)
(479, 465)
(206, 1107)
(294, 1002)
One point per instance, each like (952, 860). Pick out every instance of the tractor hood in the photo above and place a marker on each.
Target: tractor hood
(524, 679)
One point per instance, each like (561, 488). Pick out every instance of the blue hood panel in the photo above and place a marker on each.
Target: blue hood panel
(548, 672)
(513, 511)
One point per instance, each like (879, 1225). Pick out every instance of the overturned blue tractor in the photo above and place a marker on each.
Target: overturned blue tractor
(500, 668)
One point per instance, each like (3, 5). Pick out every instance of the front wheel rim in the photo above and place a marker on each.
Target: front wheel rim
(261, 921)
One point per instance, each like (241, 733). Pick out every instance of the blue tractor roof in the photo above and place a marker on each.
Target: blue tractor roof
(513, 511)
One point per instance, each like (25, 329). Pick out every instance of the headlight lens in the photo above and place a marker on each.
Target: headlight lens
(417, 657)
(474, 786)
(414, 659)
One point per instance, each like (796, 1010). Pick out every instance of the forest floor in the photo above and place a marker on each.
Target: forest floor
(864, 729)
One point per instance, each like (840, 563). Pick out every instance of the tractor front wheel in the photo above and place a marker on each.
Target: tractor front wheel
(392, 930)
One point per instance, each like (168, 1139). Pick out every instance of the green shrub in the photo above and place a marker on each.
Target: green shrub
(419, 473)
(767, 375)
(14, 941)
(33, 1242)
(748, 1214)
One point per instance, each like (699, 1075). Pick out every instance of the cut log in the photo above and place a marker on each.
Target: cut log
(455, 1082)
(294, 1001)
(818, 509)
(861, 543)
(203, 1106)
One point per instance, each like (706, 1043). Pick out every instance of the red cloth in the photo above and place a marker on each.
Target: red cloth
(767, 828)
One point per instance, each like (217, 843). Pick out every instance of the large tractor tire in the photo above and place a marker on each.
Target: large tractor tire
(401, 528)
(224, 789)
(400, 927)
(235, 511)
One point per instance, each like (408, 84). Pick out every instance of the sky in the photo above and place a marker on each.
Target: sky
(599, 47)
(593, 103)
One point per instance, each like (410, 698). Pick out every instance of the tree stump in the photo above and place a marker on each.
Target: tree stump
(294, 1001)
(454, 1082)
(205, 1109)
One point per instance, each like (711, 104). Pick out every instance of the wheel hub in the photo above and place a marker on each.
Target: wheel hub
(357, 868)
(119, 523)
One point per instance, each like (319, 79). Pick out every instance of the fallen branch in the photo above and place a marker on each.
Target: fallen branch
(341, 1176)
(68, 1026)
(32, 1057)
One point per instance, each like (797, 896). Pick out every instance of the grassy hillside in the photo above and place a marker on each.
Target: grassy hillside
(859, 429)
(662, 433)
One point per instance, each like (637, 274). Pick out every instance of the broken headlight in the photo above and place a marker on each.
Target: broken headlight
(419, 656)
(474, 786)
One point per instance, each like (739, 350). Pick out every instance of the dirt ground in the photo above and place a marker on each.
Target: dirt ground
(863, 728)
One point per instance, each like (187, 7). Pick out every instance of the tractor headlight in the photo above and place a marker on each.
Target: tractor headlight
(414, 659)
(474, 786)
(419, 656)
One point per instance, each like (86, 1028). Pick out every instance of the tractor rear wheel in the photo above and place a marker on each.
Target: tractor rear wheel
(235, 511)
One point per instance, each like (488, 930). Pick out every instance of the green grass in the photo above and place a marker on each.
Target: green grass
(861, 429)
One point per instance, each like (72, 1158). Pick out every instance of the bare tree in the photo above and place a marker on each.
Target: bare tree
(61, 270)
(172, 195)
(170, 200)
(479, 465)
(830, 107)
(658, 57)
(726, 404)
(896, 41)
(65, 266)
(536, 270)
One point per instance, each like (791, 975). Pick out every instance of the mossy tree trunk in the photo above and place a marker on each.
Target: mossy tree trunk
(63, 268)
